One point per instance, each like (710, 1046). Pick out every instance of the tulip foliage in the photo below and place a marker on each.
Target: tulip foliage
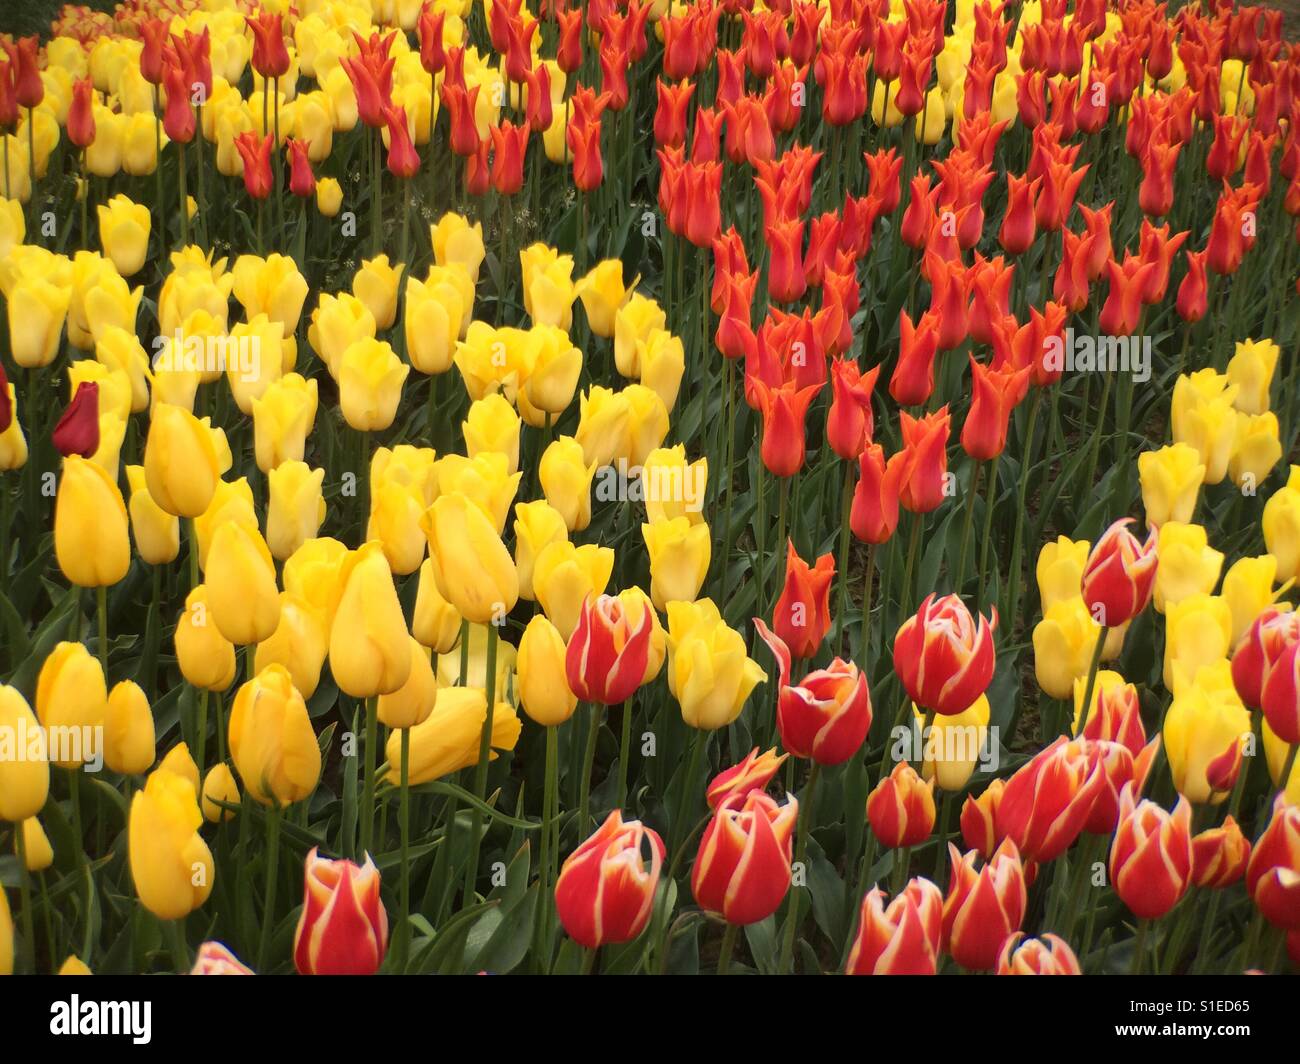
(650, 486)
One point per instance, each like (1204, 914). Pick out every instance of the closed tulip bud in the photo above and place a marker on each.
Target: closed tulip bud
(282, 420)
(901, 939)
(181, 464)
(1117, 581)
(1281, 524)
(1151, 855)
(1220, 855)
(954, 744)
(128, 730)
(1059, 570)
(343, 929)
(156, 532)
(471, 565)
(414, 700)
(240, 575)
(1115, 714)
(900, 808)
(337, 323)
(1171, 480)
(1047, 802)
(742, 870)
(606, 888)
(299, 643)
(943, 657)
(219, 786)
(679, 559)
(754, 773)
(1198, 631)
(709, 672)
(543, 684)
(492, 425)
(802, 614)
(205, 656)
(1188, 565)
(647, 424)
(603, 294)
(663, 364)
(77, 430)
(1204, 417)
(1273, 873)
(124, 233)
(553, 378)
(456, 240)
(91, 541)
(1048, 955)
(565, 576)
(370, 377)
(827, 715)
(448, 739)
(1251, 370)
(633, 321)
(36, 845)
(24, 770)
(272, 742)
(171, 865)
(368, 651)
(215, 959)
(13, 445)
(296, 509)
(1261, 631)
(432, 317)
(71, 694)
(979, 820)
(34, 330)
(329, 196)
(983, 907)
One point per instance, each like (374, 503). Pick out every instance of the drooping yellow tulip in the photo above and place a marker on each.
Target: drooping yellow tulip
(448, 739)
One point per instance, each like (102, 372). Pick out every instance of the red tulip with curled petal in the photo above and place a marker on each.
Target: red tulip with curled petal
(606, 888)
(742, 869)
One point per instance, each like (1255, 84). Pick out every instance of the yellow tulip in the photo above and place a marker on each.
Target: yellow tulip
(403, 484)
(471, 565)
(431, 319)
(602, 293)
(1188, 564)
(6, 936)
(555, 365)
(555, 139)
(493, 426)
(71, 699)
(492, 360)
(329, 195)
(456, 241)
(1205, 719)
(647, 423)
(476, 672)
(672, 488)
(13, 226)
(180, 461)
(1203, 416)
(565, 576)
(368, 640)
(124, 233)
(139, 144)
(91, 541)
(24, 770)
(13, 445)
(296, 509)
(37, 312)
(109, 303)
(120, 351)
(1248, 589)
(414, 700)
(254, 359)
(272, 742)
(679, 559)
(1064, 642)
(1060, 569)
(485, 479)
(537, 525)
(1257, 448)
(709, 672)
(566, 477)
(1198, 632)
(635, 321)
(336, 324)
(314, 574)
(370, 377)
(171, 865)
(448, 739)
(375, 284)
(313, 122)
(232, 501)
(663, 364)
(1171, 481)
(1251, 370)
(240, 575)
(128, 730)
(954, 744)
(180, 761)
(548, 285)
(455, 276)
(283, 418)
(205, 656)
(543, 682)
(604, 425)
(219, 786)
(36, 845)
(74, 965)
(1281, 523)
(928, 126)
(299, 643)
(436, 623)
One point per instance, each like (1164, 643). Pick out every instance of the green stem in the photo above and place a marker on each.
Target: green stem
(588, 760)
(800, 849)
(728, 948)
(101, 615)
(29, 936)
(481, 769)
(368, 781)
(404, 816)
(624, 751)
(272, 873)
(1092, 679)
(180, 951)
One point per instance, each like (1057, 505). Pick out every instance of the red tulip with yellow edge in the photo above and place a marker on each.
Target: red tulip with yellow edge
(605, 659)
(983, 907)
(1273, 873)
(900, 808)
(1151, 855)
(901, 938)
(1047, 802)
(1120, 575)
(753, 773)
(742, 869)
(1220, 855)
(1048, 955)
(943, 657)
(606, 888)
(343, 929)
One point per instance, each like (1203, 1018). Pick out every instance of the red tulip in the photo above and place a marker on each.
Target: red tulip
(1273, 873)
(983, 907)
(802, 615)
(754, 773)
(343, 929)
(1120, 574)
(925, 443)
(1270, 636)
(81, 117)
(900, 808)
(901, 939)
(1018, 226)
(1048, 955)
(784, 409)
(605, 660)
(995, 393)
(913, 379)
(270, 56)
(670, 114)
(1220, 855)
(606, 890)
(850, 422)
(1193, 293)
(256, 153)
(1151, 856)
(302, 182)
(742, 870)
(29, 89)
(429, 26)
(403, 160)
(979, 820)
(178, 117)
(1048, 801)
(943, 657)
(7, 402)
(77, 431)
(510, 146)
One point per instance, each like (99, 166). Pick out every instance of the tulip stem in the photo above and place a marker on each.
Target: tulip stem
(542, 923)
(728, 947)
(800, 847)
(1012, 604)
(868, 583)
(194, 553)
(1092, 680)
(846, 506)
(481, 769)
(1139, 947)
(683, 799)
(29, 936)
(180, 951)
(1288, 768)
(989, 504)
(184, 196)
(101, 615)
(201, 733)
(404, 814)
(966, 527)
(624, 747)
(272, 872)
(588, 759)
(368, 783)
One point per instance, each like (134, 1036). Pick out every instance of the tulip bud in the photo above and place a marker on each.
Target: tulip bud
(979, 820)
(752, 774)
(343, 929)
(180, 462)
(215, 959)
(36, 845)
(472, 567)
(206, 657)
(271, 739)
(368, 650)
(1118, 579)
(436, 623)
(982, 908)
(71, 696)
(742, 870)
(171, 865)
(128, 730)
(1047, 802)
(543, 683)
(219, 786)
(802, 614)
(605, 659)
(902, 939)
(1219, 855)
(91, 540)
(901, 808)
(944, 659)
(1048, 955)
(606, 888)
(1151, 855)
(240, 576)
(414, 700)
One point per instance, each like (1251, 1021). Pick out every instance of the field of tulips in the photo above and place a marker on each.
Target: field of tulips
(639, 487)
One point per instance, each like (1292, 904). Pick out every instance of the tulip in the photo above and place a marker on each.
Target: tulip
(1198, 631)
(1219, 855)
(71, 694)
(171, 865)
(1047, 803)
(982, 908)
(979, 820)
(874, 513)
(370, 377)
(219, 786)
(403, 482)
(205, 656)
(754, 773)
(271, 739)
(34, 330)
(603, 295)
(742, 870)
(24, 770)
(412, 703)
(802, 614)
(1281, 524)
(299, 643)
(343, 929)
(34, 848)
(1251, 370)
(128, 730)
(709, 672)
(180, 462)
(215, 959)
(543, 685)
(1248, 590)
(1151, 856)
(605, 891)
(240, 574)
(1204, 417)
(13, 446)
(566, 478)
(90, 526)
(925, 442)
(448, 739)
(901, 939)
(556, 365)
(472, 567)
(1187, 564)
(77, 430)
(1280, 694)
(156, 532)
(456, 240)
(944, 659)
(272, 286)
(338, 323)
(1117, 581)
(433, 313)
(954, 744)
(436, 623)
(901, 808)
(1273, 873)
(1048, 955)
(255, 152)
(368, 648)
(1171, 480)
(124, 233)
(1115, 715)
(329, 196)
(296, 509)
(679, 559)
